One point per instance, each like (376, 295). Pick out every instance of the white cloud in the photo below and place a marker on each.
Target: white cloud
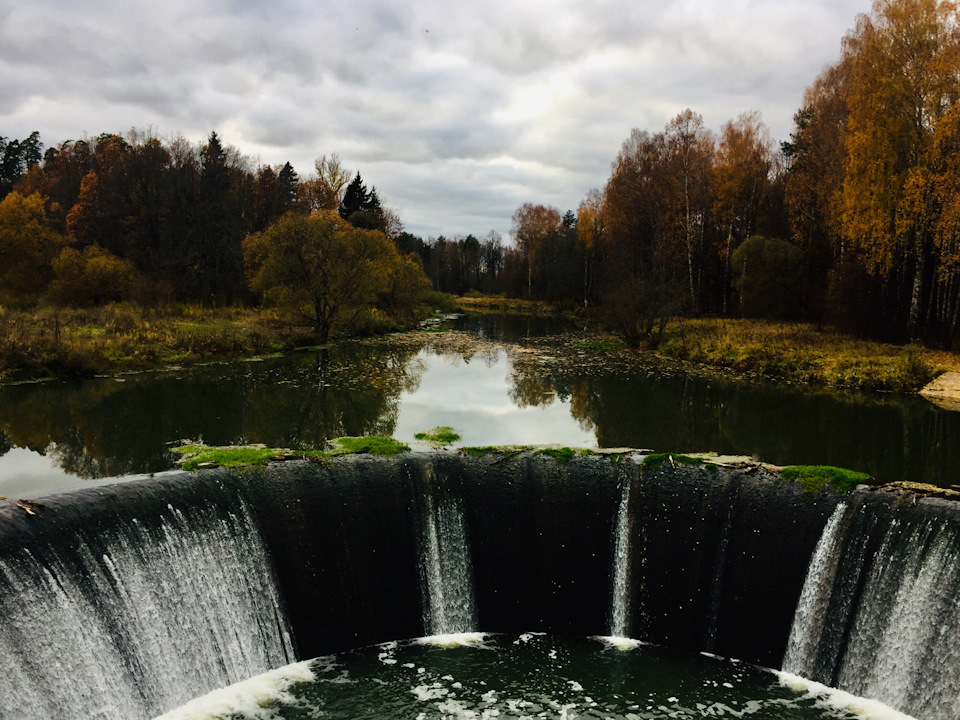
(457, 111)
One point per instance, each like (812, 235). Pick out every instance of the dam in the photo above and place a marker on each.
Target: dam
(124, 601)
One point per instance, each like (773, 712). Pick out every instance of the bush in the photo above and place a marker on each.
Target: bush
(93, 277)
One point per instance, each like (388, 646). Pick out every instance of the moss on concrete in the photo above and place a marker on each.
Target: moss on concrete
(372, 444)
(815, 477)
(441, 435)
(563, 454)
(198, 456)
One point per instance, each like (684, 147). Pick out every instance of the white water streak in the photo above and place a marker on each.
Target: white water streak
(446, 569)
(163, 615)
(810, 615)
(903, 648)
(620, 601)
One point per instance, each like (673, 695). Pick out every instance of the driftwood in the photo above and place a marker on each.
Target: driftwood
(28, 506)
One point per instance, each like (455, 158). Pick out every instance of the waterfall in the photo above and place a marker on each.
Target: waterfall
(446, 572)
(620, 602)
(134, 617)
(879, 614)
(810, 616)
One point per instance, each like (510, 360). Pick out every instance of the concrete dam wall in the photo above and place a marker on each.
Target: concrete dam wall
(127, 600)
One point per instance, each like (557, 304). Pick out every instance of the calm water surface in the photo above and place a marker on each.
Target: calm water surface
(487, 380)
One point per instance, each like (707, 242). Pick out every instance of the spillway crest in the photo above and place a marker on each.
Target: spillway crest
(126, 601)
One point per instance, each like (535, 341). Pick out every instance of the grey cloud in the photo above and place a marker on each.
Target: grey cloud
(457, 112)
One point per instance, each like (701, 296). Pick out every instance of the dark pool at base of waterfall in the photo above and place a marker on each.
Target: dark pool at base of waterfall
(532, 675)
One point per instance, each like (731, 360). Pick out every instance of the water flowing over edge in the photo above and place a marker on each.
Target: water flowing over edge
(446, 569)
(811, 609)
(620, 591)
(140, 617)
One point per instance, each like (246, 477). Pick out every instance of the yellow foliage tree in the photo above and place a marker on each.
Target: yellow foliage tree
(91, 277)
(905, 61)
(322, 270)
(27, 246)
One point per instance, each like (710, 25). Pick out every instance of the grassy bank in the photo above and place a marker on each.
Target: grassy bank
(64, 342)
(780, 351)
(506, 306)
(800, 353)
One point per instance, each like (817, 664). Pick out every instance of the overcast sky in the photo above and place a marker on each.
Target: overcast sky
(457, 112)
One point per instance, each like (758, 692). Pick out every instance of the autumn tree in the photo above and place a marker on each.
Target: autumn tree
(741, 173)
(590, 239)
(643, 280)
(322, 270)
(27, 246)
(325, 191)
(103, 210)
(92, 276)
(536, 230)
(816, 159)
(905, 60)
(689, 154)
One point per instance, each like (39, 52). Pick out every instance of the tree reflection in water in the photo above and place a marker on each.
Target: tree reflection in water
(115, 426)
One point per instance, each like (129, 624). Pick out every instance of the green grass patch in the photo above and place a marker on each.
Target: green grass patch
(815, 477)
(443, 434)
(373, 444)
(198, 455)
(655, 460)
(563, 455)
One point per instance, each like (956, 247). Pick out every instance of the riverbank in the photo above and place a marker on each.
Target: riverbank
(802, 353)
(795, 353)
(73, 342)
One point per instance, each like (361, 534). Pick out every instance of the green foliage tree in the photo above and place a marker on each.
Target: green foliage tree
(767, 273)
(16, 158)
(322, 270)
(27, 246)
(216, 253)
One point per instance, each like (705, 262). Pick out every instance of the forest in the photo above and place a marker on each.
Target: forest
(853, 222)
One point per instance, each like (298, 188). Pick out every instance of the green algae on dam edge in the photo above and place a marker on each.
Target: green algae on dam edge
(199, 456)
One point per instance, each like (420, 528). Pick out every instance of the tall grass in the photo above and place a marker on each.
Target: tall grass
(51, 341)
(799, 352)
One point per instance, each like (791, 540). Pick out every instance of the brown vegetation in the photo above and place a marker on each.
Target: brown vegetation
(52, 341)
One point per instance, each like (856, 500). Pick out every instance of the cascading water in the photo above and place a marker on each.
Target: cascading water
(446, 570)
(620, 601)
(810, 616)
(882, 622)
(138, 618)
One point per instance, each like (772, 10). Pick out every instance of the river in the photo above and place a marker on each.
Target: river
(495, 380)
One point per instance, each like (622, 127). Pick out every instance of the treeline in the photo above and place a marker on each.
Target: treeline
(855, 221)
(119, 217)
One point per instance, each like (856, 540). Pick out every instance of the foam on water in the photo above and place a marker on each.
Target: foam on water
(248, 698)
(623, 644)
(535, 677)
(828, 697)
(453, 639)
